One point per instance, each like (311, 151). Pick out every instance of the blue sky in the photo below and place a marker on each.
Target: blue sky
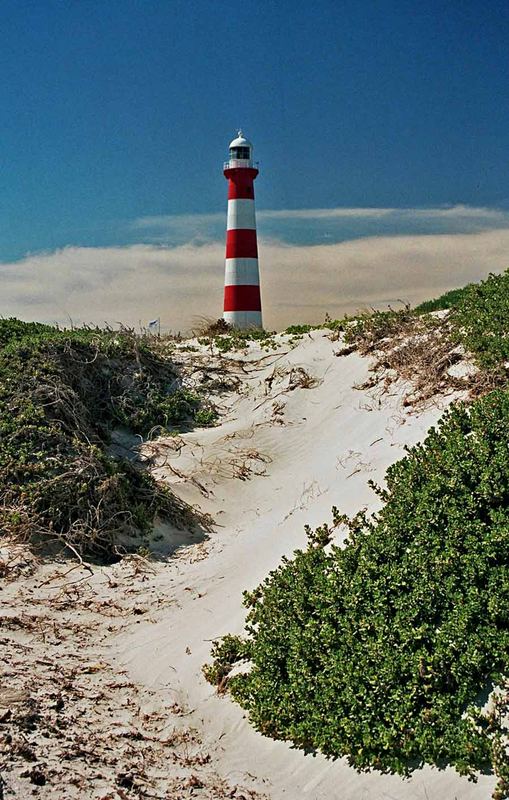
(116, 117)
(114, 111)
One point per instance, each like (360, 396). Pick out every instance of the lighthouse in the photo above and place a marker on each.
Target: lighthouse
(242, 303)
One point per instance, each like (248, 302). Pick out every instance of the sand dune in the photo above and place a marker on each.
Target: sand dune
(102, 665)
(288, 448)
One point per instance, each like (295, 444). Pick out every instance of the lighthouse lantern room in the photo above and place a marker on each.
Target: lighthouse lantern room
(242, 303)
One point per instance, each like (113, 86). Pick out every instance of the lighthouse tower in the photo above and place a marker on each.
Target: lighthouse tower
(242, 303)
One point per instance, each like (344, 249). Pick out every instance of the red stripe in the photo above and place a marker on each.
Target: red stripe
(242, 298)
(241, 243)
(240, 183)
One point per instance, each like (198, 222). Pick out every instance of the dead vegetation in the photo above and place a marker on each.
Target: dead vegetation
(240, 463)
(212, 328)
(298, 378)
(421, 350)
(82, 728)
(61, 395)
(280, 382)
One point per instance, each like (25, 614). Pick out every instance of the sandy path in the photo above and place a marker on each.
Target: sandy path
(280, 459)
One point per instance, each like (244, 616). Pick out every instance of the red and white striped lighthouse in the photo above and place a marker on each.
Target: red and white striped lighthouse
(242, 303)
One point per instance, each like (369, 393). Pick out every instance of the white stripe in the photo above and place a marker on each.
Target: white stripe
(241, 271)
(244, 319)
(241, 214)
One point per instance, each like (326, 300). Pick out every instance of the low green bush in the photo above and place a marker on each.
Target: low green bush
(297, 330)
(378, 650)
(225, 653)
(337, 325)
(481, 319)
(448, 300)
(236, 338)
(368, 331)
(61, 394)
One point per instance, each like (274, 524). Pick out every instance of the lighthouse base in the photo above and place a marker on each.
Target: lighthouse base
(243, 319)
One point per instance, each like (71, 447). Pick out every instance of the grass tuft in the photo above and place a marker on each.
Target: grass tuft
(61, 394)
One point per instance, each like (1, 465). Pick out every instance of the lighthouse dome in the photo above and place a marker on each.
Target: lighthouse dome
(241, 141)
(241, 153)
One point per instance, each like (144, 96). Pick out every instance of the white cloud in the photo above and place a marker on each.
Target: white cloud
(483, 215)
(178, 220)
(299, 283)
(310, 226)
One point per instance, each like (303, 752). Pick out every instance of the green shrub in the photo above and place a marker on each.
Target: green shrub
(367, 331)
(481, 318)
(61, 393)
(448, 300)
(226, 338)
(205, 417)
(376, 650)
(296, 330)
(225, 653)
(328, 324)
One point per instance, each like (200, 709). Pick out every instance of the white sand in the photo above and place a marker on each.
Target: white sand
(317, 447)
